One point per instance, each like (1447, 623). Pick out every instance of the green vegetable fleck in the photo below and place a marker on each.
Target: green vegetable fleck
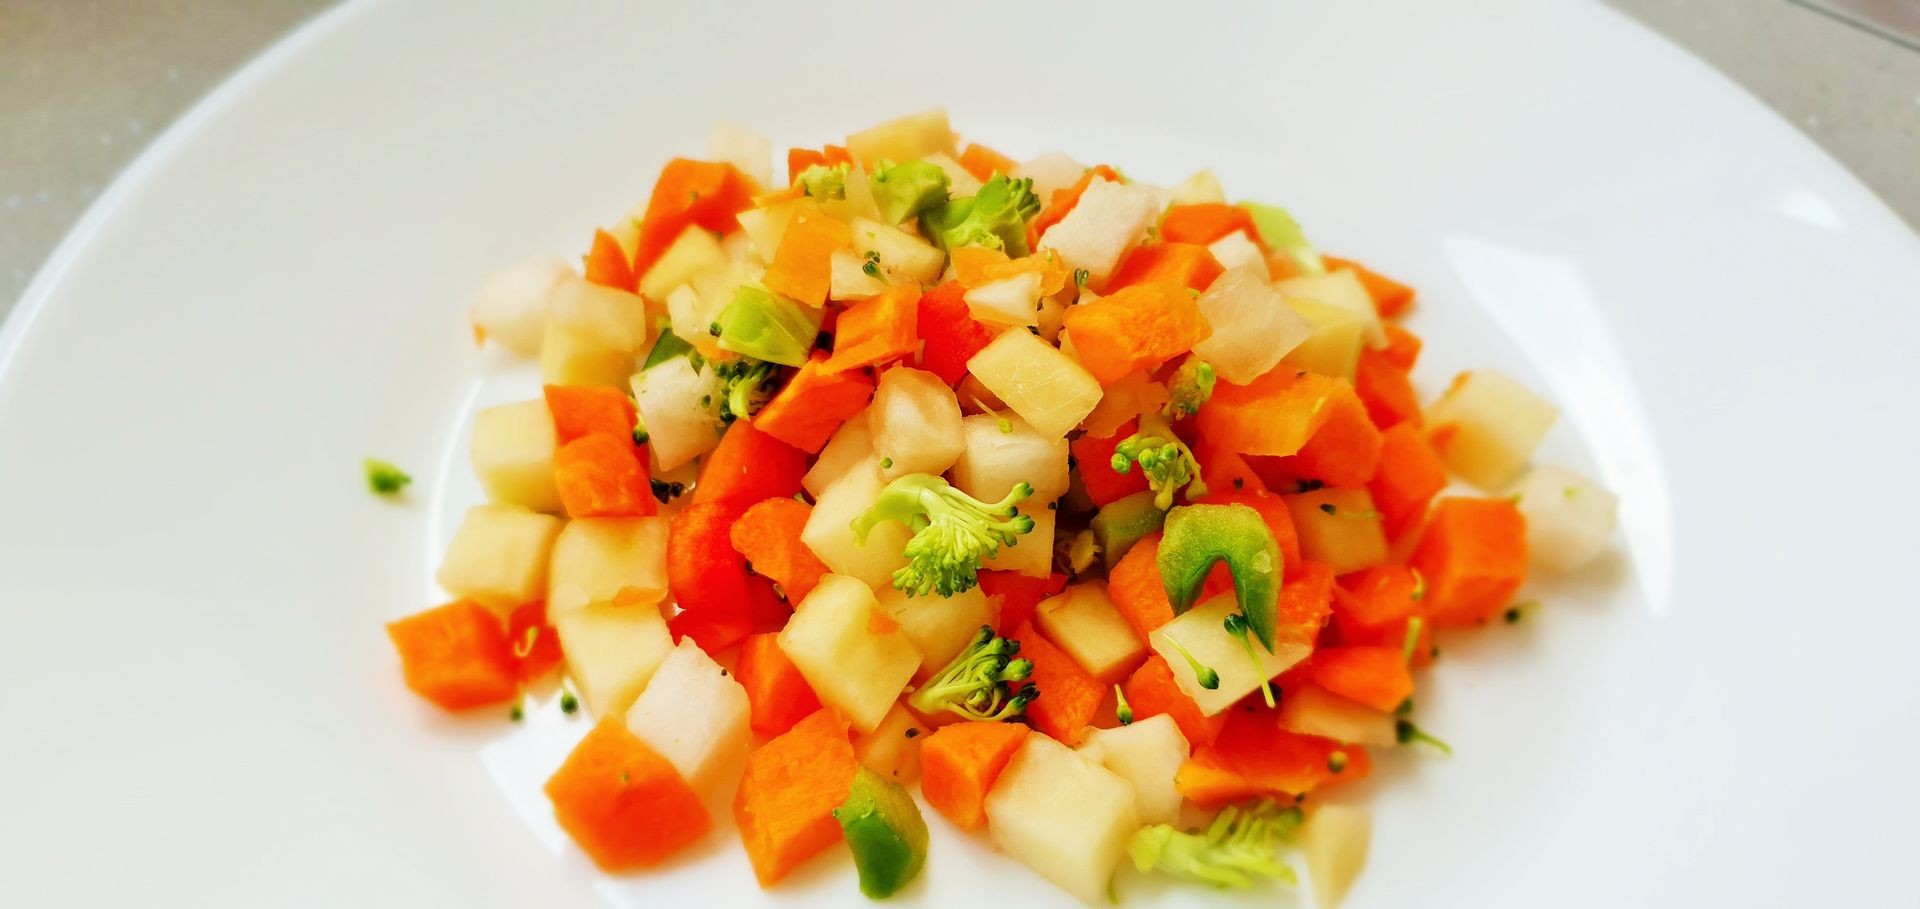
(979, 682)
(765, 326)
(995, 217)
(907, 189)
(1406, 733)
(1206, 675)
(1236, 625)
(885, 831)
(748, 384)
(1191, 386)
(1239, 847)
(1166, 461)
(823, 182)
(383, 478)
(1123, 711)
(953, 533)
(1280, 232)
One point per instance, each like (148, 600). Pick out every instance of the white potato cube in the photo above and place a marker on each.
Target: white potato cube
(1085, 624)
(939, 627)
(1146, 754)
(1236, 251)
(498, 557)
(512, 455)
(1109, 219)
(594, 335)
(595, 559)
(1332, 348)
(1340, 289)
(903, 139)
(848, 278)
(1032, 552)
(961, 182)
(1336, 839)
(1495, 422)
(1202, 188)
(915, 421)
(669, 399)
(902, 255)
(892, 749)
(612, 650)
(853, 655)
(745, 149)
(1007, 302)
(693, 252)
(1339, 527)
(1569, 517)
(694, 714)
(1001, 450)
(1047, 388)
(851, 444)
(1202, 631)
(766, 227)
(1257, 328)
(1063, 815)
(1050, 173)
(512, 306)
(829, 530)
(1313, 710)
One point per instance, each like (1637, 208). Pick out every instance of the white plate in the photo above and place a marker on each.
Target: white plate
(202, 707)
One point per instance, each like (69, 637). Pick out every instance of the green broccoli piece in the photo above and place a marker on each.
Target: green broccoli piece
(1207, 676)
(383, 478)
(823, 182)
(1168, 462)
(747, 384)
(1406, 733)
(977, 684)
(907, 189)
(1191, 387)
(1242, 844)
(1122, 710)
(952, 532)
(1237, 626)
(995, 217)
(1280, 232)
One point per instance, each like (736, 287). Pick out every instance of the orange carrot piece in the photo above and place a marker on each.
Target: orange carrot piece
(1373, 607)
(1093, 456)
(1345, 449)
(785, 803)
(813, 404)
(959, 763)
(603, 476)
(1152, 691)
(1225, 469)
(581, 410)
(534, 642)
(624, 805)
(1306, 602)
(1137, 328)
(1187, 264)
(877, 330)
(1473, 556)
(1385, 390)
(456, 656)
(1018, 595)
(777, 695)
(1275, 415)
(799, 159)
(1064, 200)
(802, 267)
(1403, 346)
(1205, 779)
(977, 265)
(1204, 223)
(748, 466)
(1374, 676)
(983, 162)
(949, 336)
(768, 537)
(1409, 476)
(607, 263)
(1390, 297)
(1135, 588)
(1069, 697)
(690, 192)
(1276, 762)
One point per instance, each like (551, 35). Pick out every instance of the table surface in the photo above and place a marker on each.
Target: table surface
(85, 84)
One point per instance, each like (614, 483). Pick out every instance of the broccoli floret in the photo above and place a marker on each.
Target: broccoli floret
(1241, 844)
(906, 189)
(823, 182)
(1190, 387)
(995, 217)
(748, 384)
(1168, 462)
(383, 478)
(977, 684)
(952, 532)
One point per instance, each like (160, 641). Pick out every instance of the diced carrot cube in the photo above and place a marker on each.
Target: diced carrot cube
(1204, 223)
(582, 410)
(1069, 697)
(603, 476)
(1137, 328)
(959, 763)
(1376, 676)
(876, 330)
(749, 466)
(813, 404)
(456, 656)
(802, 266)
(624, 805)
(777, 695)
(1093, 457)
(785, 803)
(1018, 595)
(768, 536)
(1390, 297)
(1473, 556)
(983, 162)
(1152, 691)
(1187, 264)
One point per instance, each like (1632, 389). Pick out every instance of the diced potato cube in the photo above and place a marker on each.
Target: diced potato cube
(915, 421)
(853, 655)
(745, 149)
(512, 455)
(612, 650)
(961, 182)
(1008, 302)
(1236, 251)
(829, 530)
(1032, 552)
(512, 306)
(693, 252)
(848, 279)
(1256, 327)
(594, 334)
(1487, 425)
(498, 556)
(1146, 754)
(1569, 517)
(694, 714)
(939, 627)
(902, 255)
(1050, 173)
(1342, 290)
(892, 749)
(994, 459)
(1110, 219)
(595, 559)
(1335, 839)
(1063, 815)
(851, 444)
(766, 227)
(1339, 527)
(1333, 346)
(668, 398)
(1202, 631)
(1085, 624)
(1047, 388)
(904, 139)
(1313, 710)
(1202, 188)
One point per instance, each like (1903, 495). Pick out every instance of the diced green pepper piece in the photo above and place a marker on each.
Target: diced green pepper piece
(1123, 522)
(1279, 231)
(1198, 536)
(766, 326)
(666, 348)
(906, 189)
(884, 829)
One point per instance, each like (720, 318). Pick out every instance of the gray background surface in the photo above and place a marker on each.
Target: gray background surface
(85, 84)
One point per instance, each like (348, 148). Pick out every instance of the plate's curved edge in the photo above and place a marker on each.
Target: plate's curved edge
(13, 330)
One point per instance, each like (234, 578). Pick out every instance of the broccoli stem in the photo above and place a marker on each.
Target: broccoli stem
(1204, 674)
(1237, 626)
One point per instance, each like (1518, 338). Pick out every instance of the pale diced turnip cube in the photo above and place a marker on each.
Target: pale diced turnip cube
(1063, 815)
(612, 650)
(851, 444)
(1333, 346)
(1110, 219)
(1082, 621)
(1050, 173)
(1255, 329)
(512, 306)
(829, 530)
(853, 655)
(498, 557)
(915, 421)
(1203, 188)
(678, 405)
(1001, 450)
(1312, 710)
(1007, 302)
(512, 455)
(693, 252)
(745, 149)
(847, 278)
(892, 749)
(1147, 754)
(939, 627)
(693, 712)
(1202, 631)
(1492, 426)
(1569, 517)
(1236, 251)
(595, 559)
(902, 255)
(1341, 289)
(1336, 839)
(594, 335)
(961, 183)
(1047, 388)
(905, 138)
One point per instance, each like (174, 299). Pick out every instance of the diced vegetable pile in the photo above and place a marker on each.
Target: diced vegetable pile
(1105, 515)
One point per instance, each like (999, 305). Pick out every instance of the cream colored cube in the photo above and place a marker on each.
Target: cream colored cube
(511, 308)
(1202, 631)
(1006, 303)
(851, 444)
(903, 139)
(1339, 527)
(1333, 346)
(1063, 815)
(1236, 251)
(961, 182)
(848, 279)
(939, 627)
(1047, 388)
(1496, 423)
(594, 335)
(512, 455)
(915, 421)
(612, 651)
(1569, 517)
(766, 227)
(595, 559)
(1050, 173)
(678, 404)
(902, 255)
(1342, 290)
(1313, 710)
(1257, 328)
(853, 655)
(829, 530)
(892, 749)
(1085, 624)
(694, 251)
(1109, 219)
(1203, 188)
(498, 556)
(1031, 553)
(745, 149)
(1147, 754)
(1335, 839)
(999, 450)
(694, 714)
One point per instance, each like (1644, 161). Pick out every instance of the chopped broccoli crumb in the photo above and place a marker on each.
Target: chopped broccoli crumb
(1236, 625)
(1406, 733)
(383, 478)
(907, 189)
(1240, 846)
(823, 182)
(747, 383)
(1166, 461)
(569, 704)
(1202, 673)
(886, 463)
(1190, 388)
(1123, 711)
(977, 682)
(995, 217)
(953, 533)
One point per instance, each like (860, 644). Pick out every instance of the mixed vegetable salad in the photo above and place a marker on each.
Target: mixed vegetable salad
(1104, 515)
